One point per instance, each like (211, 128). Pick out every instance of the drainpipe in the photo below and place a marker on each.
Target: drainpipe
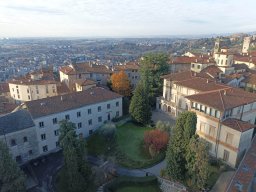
(241, 116)
(218, 136)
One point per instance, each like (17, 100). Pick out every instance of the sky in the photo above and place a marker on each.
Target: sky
(124, 18)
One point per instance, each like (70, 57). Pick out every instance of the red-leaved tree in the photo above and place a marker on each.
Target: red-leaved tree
(156, 140)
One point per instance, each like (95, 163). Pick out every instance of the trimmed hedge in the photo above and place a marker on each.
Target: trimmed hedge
(128, 181)
(132, 164)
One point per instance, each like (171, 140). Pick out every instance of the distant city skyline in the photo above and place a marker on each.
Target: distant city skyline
(126, 18)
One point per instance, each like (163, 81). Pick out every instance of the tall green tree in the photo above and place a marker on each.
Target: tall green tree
(190, 126)
(140, 109)
(153, 65)
(76, 168)
(197, 162)
(176, 151)
(12, 179)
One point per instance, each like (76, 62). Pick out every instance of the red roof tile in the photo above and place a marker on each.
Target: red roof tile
(245, 174)
(226, 98)
(238, 125)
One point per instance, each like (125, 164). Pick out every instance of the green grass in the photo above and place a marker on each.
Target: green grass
(149, 188)
(127, 148)
(130, 141)
(215, 172)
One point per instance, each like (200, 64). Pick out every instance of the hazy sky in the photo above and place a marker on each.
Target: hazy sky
(27, 18)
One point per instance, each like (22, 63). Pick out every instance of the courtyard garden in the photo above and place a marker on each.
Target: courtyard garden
(126, 146)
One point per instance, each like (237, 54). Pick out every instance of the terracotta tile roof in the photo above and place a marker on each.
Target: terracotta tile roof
(6, 107)
(213, 70)
(179, 76)
(201, 84)
(250, 79)
(67, 70)
(84, 68)
(240, 66)
(226, 98)
(85, 82)
(62, 88)
(246, 59)
(244, 177)
(238, 125)
(4, 88)
(32, 82)
(58, 104)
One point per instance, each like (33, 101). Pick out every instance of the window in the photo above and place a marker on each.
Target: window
(108, 106)
(212, 131)
(99, 119)
(18, 96)
(80, 76)
(43, 137)
(30, 152)
(56, 132)
(225, 155)
(57, 143)
(90, 132)
(54, 121)
(45, 148)
(117, 114)
(79, 125)
(193, 65)
(90, 122)
(41, 124)
(13, 142)
(89, 111)
(99, 108)
(67, 117)
(198, 66)
(202, 127)
(25, 139)
(53, 90)
(28, 97)
(78, 114)
(27, 90)
(46, 89)
(117, 104)
(229, 138)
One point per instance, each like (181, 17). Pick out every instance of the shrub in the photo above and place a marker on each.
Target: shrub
(164, 126)
(108, 130)
(156, 140)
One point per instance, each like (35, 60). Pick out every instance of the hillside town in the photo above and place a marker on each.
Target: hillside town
(167, 102)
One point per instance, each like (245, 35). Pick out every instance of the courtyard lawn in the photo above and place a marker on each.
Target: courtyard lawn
(130, 148)
(149, 188)
(127, 148)
(130, 141)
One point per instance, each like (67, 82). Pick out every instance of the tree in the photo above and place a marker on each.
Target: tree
(12, 179)
(197, 162)
(189, 126)
(121, 84)
(164, 126)
(156, 140)
(140, 109)
(153, 65)
(74, 157)
(183, 131)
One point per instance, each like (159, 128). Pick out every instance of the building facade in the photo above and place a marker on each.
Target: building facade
(88, 110)
(17, 131)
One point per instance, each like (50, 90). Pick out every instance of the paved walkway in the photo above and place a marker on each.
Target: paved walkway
(162, 116)
(222, 181)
